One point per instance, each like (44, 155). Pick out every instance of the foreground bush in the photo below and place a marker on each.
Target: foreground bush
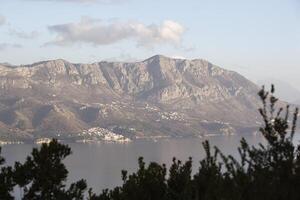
(269, 172)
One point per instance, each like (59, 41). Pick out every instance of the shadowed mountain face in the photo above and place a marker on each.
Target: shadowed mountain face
(159, 96)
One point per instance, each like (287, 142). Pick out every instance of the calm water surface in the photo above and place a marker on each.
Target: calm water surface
(101, 164)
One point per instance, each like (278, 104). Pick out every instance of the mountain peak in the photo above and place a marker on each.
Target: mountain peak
(157, 57)
(160, 95)
(59, 60)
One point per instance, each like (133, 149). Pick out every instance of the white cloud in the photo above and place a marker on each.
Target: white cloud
(97, 32)
(4, 46)
(2, 20)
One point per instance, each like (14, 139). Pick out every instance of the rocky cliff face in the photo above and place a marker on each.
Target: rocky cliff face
(159, 96)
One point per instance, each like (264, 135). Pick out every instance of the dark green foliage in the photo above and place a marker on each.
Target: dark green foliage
(6, 180)
(208, 180)
(42, 176)
(147, 183)
(45, 174)
(179, 182)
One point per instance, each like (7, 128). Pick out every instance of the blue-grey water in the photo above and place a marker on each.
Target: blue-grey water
(101, 164)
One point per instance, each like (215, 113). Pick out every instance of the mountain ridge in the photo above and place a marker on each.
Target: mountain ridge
(159, 96)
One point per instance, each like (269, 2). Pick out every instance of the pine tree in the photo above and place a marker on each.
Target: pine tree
(6, 180)
(43, 175)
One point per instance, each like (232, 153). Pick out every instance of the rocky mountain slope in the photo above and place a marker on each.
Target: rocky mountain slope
(157, 97)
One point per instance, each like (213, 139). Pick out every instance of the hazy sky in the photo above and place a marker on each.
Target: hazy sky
(258, 38)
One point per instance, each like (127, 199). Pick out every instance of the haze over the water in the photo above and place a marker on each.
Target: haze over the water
(257, 38)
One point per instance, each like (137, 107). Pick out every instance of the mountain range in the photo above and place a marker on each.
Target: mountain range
(157, 97)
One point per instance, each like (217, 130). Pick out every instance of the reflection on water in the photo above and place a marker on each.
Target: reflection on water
(101, 164)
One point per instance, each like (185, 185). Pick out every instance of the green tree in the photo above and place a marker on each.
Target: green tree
(6, 180)
(179, 182)
(147, 183)
(43, 175)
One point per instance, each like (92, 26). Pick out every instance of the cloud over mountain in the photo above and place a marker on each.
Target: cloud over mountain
(98, 32)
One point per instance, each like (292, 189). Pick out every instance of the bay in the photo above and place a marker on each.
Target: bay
(101, 163)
